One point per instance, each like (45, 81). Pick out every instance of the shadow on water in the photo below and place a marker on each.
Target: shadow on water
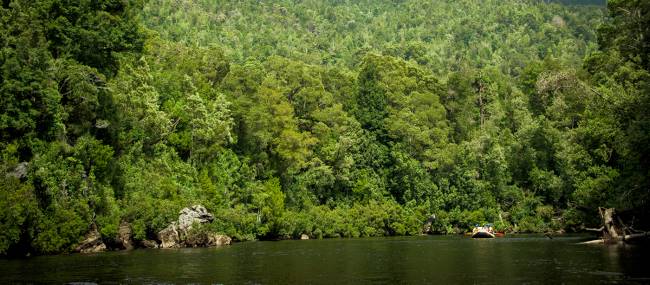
(430, 259)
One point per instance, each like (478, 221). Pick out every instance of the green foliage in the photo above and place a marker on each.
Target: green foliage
(20, 212)
(61, 227)
(324, 118)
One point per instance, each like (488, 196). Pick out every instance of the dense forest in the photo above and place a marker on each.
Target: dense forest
(327, 118)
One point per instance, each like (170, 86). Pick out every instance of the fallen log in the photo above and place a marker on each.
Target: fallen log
(632, 237)
(614, 230)
(596, 241)
(626, 239)
(595, 230)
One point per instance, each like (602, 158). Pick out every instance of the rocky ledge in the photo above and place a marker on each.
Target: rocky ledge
(178, 234)
(92, 242)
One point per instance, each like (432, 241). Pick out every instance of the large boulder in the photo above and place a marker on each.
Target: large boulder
(92, 242)
(169, 236)
(195, 214)
(179, 233)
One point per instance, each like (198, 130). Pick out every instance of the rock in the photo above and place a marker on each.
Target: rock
(169, 237)
(206, 239)
(195, 214)
(218, 240)
(179, 233)
(101, 247)
(304, 237)
(124, 234)
(92, 242)
(149, 244)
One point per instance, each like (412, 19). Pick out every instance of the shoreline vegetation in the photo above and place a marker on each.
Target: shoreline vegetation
(293, 119)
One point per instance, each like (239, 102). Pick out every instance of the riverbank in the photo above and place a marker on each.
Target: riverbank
(195, 226)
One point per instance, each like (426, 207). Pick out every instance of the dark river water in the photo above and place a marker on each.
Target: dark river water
(402, 260)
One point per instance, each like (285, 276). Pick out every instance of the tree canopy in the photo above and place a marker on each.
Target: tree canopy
(326, 118)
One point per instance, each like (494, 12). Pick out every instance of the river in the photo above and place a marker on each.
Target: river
(401, 260)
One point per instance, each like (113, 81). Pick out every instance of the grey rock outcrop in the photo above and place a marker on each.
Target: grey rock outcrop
(149, 244)
(206, 239)
(195, 214)
(218, 240)
(170, 237)
(179, 234)
(124, 236)
(92, 242)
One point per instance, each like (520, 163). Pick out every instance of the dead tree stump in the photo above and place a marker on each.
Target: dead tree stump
(615, 231)
(612, 232)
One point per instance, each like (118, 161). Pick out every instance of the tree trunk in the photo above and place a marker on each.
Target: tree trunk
(611, 231)
(614, 230)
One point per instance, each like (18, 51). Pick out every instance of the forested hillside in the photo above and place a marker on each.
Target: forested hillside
(327, 118)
